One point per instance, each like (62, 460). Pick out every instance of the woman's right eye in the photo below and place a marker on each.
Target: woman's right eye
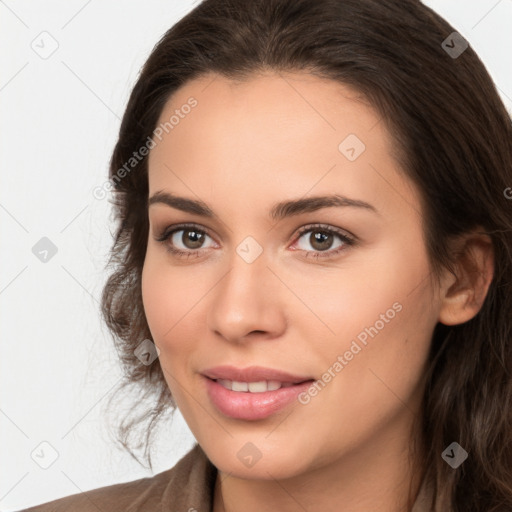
(185, 241)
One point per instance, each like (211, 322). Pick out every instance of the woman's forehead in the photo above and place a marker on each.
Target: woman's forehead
(285, 135)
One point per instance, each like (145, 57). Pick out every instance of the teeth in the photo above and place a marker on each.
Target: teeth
(257, 387)
(239, 386)
(253, 387)
(273, 385)
(226, 383)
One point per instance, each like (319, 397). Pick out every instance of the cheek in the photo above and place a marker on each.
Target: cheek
(371, 283)
(158, 304)
(381, 315)
(169, 297)
(383, 367)
(176, 301)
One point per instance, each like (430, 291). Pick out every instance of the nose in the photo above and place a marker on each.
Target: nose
(247, 303)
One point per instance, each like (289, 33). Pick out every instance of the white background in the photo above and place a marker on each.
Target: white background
(59, 121)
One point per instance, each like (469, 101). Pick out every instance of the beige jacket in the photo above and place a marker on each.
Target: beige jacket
(187, 487)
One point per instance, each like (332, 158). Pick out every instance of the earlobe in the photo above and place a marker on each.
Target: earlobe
(464, 294)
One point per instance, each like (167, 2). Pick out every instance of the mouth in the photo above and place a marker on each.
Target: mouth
(254, 393)
(254, 375)
(261, 386)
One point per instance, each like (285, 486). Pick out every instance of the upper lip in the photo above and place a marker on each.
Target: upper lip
(253, 374)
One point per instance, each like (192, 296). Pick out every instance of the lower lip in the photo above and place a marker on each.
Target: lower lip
(252, 406)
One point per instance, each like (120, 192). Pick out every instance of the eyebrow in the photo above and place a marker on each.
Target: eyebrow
(279, 211)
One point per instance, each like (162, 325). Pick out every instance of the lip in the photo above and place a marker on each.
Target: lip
(253, 374)
(252, 406)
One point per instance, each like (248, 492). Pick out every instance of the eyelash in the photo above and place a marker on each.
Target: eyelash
(347, 240)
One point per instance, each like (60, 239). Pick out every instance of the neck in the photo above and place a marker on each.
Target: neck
(382, 474)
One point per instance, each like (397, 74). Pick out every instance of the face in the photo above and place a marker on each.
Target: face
(304, 254)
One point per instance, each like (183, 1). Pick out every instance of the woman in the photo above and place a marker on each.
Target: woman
(314, 231)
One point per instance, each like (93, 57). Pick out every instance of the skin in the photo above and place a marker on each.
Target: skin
(246, 146)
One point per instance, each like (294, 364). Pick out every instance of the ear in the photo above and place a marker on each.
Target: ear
(462, 295)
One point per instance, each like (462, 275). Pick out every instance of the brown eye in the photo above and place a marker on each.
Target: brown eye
(323, 241)
(320, 240)
(186, 241)
(191, 238)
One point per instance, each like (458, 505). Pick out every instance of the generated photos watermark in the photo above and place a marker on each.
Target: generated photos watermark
(355, 348)
(100, 192)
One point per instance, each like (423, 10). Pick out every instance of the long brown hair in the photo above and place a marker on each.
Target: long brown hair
(454, 140)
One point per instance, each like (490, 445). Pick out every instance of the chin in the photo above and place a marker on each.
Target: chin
(257, 461)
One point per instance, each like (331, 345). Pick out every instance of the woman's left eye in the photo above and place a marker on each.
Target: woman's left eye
(321, 241)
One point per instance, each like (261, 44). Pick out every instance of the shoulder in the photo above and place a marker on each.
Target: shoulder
(188, 485)
(113, 497)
